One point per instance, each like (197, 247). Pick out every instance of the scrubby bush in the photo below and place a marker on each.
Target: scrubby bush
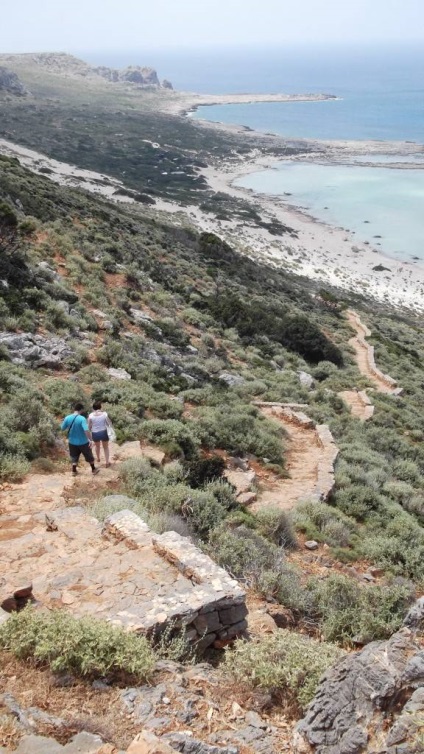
(324, 523)
(349, 611)
(162, 432)
(13, 468)
(285, 663)
(238, 429)
(276, 525)
(84, 646)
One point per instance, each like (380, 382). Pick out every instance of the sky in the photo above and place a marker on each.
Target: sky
(116, 25)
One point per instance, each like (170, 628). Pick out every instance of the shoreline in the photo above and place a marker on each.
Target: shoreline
(183, 103)
(331, 255)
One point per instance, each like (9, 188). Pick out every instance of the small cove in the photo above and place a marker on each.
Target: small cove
(382, 206)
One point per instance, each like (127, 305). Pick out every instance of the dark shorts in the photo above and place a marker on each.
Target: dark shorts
(76, 450)
(100, 436)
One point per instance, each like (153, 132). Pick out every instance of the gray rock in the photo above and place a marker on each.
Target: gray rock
(139, 316)
(36, 351)
(118, 374)
(415, 617)
(10, 82)
(187, 745)
(360, 693)
(232, 380)
(306, 380)
(192, 349)
(252, 718)
(311, 545)
(38, 745)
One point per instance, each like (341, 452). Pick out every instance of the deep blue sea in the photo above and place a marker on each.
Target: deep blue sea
(381, 91)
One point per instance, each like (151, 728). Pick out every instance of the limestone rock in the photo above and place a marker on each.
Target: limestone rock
(118, 374)
(360, 694)
(187, 745)
(10, 83)
(27, 349)
(166, 84)
(148, 743)
(306, 380)
(232, 380)
(311, 545)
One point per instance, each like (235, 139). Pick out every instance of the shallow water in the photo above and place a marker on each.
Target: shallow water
(369, 201)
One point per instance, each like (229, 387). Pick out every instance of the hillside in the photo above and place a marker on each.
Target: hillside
(240, 381)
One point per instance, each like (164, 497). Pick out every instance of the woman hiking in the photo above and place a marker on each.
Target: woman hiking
(79, 438)
(98, 423)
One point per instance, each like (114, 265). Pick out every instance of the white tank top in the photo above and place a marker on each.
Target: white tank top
(98, 421)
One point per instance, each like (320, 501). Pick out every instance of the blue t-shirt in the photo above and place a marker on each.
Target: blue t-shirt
(77, 434)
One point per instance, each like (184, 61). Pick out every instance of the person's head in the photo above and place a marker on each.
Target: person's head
(97, 405)
(79, 407)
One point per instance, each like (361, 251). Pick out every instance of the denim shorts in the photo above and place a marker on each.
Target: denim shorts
(100, 436)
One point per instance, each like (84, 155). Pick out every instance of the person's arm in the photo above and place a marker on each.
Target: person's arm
(90, 423)
(65, 424)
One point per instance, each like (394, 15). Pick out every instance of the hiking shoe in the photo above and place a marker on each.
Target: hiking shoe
(74, 473)
(96, 471)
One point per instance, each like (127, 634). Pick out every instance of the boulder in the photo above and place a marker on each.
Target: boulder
(27, 349)
(361, 694)
(10, 83)
(232, 380)
(306, 380)
(119, 374)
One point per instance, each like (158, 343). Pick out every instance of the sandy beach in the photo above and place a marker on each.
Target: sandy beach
(332, 255)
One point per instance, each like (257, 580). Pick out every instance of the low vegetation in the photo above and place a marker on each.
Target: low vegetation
(287, 664)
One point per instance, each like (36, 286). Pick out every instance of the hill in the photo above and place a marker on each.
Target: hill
(227, 368)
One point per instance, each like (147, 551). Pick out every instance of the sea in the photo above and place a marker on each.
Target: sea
(380, 97)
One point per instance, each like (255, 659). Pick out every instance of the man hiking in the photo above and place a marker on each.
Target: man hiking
(79, 438)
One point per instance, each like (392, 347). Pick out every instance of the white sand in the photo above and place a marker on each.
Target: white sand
(331, 255)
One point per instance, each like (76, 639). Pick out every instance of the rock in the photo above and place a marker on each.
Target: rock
(192, 350)
(234, 462)
(232, 380)
(368, 577)
(376, 572)
(282, 616)
(118, 374)
(241, 480)
(27, 349)
(311, 545)
(360, 694)
(255, 720)
(306, 380)
(11, 83)
(187, 745)
(415, 617)
(148, 743)
(166, 84)
(140, 316)
(247, 498)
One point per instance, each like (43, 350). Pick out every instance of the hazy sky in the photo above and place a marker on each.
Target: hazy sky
(92, 25)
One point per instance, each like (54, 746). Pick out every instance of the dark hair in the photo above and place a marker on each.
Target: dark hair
(78, 407)
(97, 405)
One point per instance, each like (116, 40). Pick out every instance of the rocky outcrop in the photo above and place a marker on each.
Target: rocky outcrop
(68, 65)
(27, 349)
(10, 83)
(371, 701)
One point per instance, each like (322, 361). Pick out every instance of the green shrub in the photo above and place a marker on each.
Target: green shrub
(84, 646)
(13, 468)
(324, 523)
(276, 525)
(349, 611)
(162, 432)
(284, 663)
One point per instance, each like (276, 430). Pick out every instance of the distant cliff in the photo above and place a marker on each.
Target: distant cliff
(10, 82)
(62, 63)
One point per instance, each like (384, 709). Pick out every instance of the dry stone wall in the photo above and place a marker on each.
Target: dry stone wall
(212, 608)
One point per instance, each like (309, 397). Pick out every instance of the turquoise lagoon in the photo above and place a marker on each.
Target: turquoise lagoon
(371, 201)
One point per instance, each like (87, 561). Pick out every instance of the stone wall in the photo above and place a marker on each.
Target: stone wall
(363, 333)
(326, 480)
(212, 610)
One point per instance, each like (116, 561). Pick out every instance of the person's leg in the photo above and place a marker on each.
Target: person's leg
(97, 447)
(105, 444)
(74, 454)
(88, 455)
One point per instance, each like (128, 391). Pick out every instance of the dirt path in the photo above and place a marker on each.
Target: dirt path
(309, 461)
(360, 405)
(365, 355)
